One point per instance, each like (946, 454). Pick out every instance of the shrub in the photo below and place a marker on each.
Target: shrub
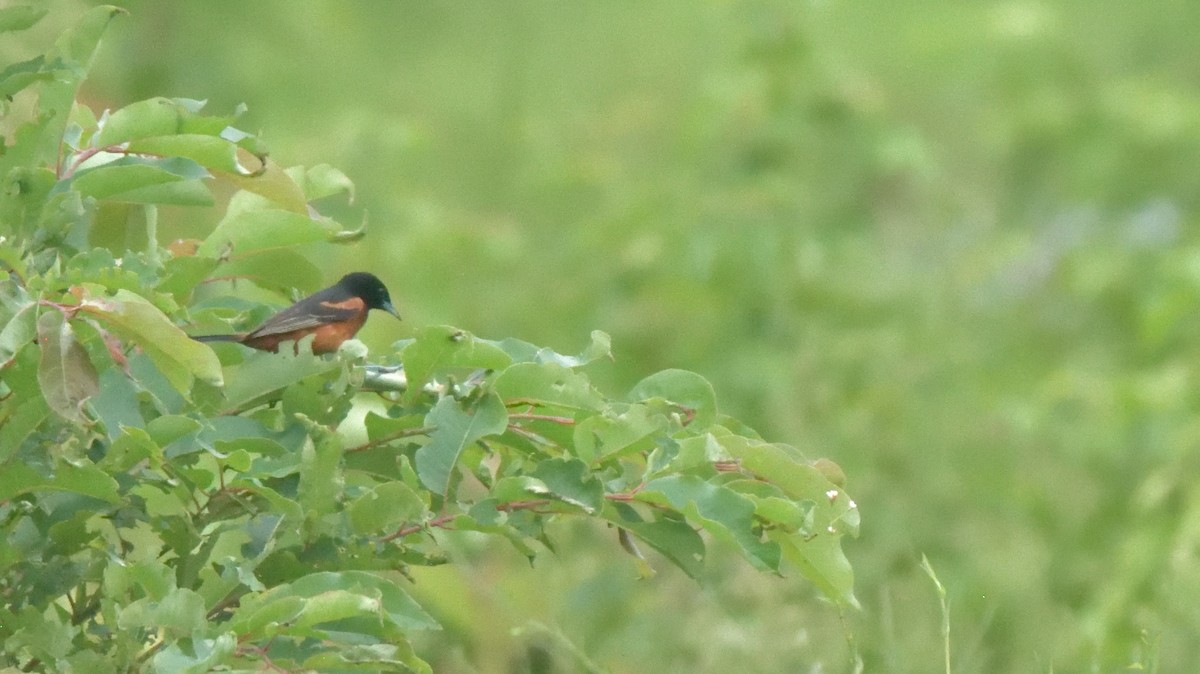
(167, 506)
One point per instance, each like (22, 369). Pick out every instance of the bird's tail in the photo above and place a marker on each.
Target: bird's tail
(232, 337)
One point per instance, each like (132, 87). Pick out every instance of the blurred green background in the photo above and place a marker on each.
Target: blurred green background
(951, 246)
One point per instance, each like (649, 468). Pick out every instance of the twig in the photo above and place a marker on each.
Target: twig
(402, 433)
(565, 421)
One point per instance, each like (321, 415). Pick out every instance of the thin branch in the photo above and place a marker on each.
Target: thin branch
(402, 433)
(531, 436)
(439, 521)
(531, 504)
(565, 421)
(87, 154)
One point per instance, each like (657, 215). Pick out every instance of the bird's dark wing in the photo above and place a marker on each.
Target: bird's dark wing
(308, 314)
(233, 337)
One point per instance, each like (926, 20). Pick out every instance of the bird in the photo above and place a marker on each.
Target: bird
(332, 315)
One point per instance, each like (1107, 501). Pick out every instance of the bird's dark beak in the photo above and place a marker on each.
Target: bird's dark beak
(387, 306)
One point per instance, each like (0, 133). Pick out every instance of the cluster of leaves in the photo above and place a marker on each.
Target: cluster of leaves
(170, 507)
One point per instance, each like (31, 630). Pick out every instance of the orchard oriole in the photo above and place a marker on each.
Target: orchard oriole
(333, 315)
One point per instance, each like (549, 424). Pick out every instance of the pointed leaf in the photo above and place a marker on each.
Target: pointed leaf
(822, 562)
(320, 471)
(138, 180)
(548, 383)
(274, 184)
(20, 75)
(177, 356)
(66, 375)
(454, 429)
(259, 229)
(322, 181)
(264, 375)
(280, 269)
(334, 605)
(571, 481)
(675, 539)
(18, 332)
(252, 616)
(719, 510)
(599, 347)
(616, 433)
(75, 47)
(143, 119)
(397, 606)
(211, 152)
(385, 507)
(18, 478)
(199, 657)
(20, 17)
(441, 347)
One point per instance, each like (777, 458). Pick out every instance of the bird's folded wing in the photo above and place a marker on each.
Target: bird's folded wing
(313, 315)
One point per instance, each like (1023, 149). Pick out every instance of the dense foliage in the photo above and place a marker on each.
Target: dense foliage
(167, 506)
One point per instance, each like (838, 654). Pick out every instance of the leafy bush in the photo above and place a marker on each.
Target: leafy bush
(170, 507)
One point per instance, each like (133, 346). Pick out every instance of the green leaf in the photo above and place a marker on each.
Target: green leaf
(617, 432)
(722, 512)
(18, 332)
(177, 356)
(821, 560)
(674, 538)
(322, 181)
(168, 428)
(20, 17)
(44, 635)
(548, 383)
(683, 388)
(454, 429)
(19, 478)
(20, 75)
(442, 347)
(29, 414)
(130, 447)
(253, 617)
(395, 605)
(201, 655)
(143, 119)
(181, 275)
(263, 376)
(485, 518)
(514, 488)
(211, 152)
(698, 451)
(275, 186)
(335, 605)
(65, 374)
(384, 508)
(570, 480)
(321, 478)
(524, 352)
(78, 44)
(798, 478)
(75, 48)
(261, 229)
(279, 269)
(181, 612)
(134, 180)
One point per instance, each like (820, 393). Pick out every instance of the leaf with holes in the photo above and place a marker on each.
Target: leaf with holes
(66, 375)
(456, 427)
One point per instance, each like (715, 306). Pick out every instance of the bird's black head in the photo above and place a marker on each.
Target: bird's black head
(370, 289)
